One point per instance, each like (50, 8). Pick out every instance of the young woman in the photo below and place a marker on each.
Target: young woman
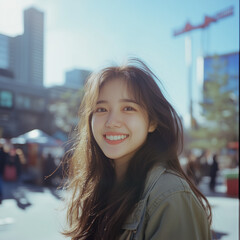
(125, 179)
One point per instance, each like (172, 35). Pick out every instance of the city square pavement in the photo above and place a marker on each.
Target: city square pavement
(225, 209)
(31, 212)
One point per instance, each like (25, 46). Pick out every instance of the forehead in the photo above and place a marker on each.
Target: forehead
(116, 87)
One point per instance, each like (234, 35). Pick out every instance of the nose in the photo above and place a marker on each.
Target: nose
(113, 121)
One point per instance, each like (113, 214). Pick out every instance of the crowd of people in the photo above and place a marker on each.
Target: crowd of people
(14, 167)
(11, 163)
(206, 164)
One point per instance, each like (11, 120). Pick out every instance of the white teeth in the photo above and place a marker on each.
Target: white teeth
(115, 137)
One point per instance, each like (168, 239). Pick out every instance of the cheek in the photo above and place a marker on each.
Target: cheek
(143, 128)
(138, 125)
(96, 124)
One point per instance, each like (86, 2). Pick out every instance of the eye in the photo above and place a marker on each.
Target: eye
(101, 109)
(128, 108)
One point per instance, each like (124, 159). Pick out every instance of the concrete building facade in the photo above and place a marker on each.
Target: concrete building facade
(33, 47)
(23, 99)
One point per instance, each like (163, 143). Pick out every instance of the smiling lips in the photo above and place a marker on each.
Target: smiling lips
(114, 138)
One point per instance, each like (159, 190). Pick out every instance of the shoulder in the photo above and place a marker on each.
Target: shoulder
(168, 203)
(169, 188)
(161, 181)
(169, 183)
(172, 205)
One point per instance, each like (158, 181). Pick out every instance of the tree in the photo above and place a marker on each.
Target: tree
(220, 109)
(65, 110)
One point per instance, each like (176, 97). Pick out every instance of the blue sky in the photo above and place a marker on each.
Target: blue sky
(92, 34)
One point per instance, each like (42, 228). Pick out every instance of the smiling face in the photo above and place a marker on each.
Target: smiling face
(119, 124)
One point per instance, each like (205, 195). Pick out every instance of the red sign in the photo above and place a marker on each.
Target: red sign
(207, 21)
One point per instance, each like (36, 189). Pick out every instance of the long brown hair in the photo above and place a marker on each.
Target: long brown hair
(98, 208)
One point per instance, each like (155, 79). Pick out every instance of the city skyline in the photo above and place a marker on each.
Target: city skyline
(89, 35)
(22, 56)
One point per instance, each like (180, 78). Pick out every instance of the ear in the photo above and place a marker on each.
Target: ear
(152, 126)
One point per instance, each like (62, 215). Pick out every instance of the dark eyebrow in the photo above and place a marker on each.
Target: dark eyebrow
(101, 101)
(128, 100)
(121, 100)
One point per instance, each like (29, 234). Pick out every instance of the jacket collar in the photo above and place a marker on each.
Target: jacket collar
(135, 217)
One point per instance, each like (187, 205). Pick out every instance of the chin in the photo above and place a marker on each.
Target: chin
(113, 156)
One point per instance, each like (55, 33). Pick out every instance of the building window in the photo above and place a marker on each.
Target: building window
(31, 103)
(23, 102)
(6, 99)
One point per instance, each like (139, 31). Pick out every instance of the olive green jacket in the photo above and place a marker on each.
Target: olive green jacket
(168, 210)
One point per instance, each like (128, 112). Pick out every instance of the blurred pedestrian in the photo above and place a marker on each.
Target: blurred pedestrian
(213, 173)
(12, 168)
(193, 169)
(20, 164)
(49, 168)
(2, 167)
(203, 161)
(126, 181)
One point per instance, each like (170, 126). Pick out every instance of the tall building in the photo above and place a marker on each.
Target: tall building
(4, 51)
(23, 55)
(6, 58)
(33, 46)
(23, 98)
(18, 55)
(76, 78)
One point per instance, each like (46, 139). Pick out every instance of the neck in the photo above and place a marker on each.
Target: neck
(120, 169)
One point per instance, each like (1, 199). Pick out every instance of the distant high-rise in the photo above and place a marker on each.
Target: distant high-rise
(6, 56)
(23, 98)
(32, 47)
(22, 56)
(76, 78)
(5, 52)
(17, 55)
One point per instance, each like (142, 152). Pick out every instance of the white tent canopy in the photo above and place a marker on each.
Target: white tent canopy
(36, 136)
